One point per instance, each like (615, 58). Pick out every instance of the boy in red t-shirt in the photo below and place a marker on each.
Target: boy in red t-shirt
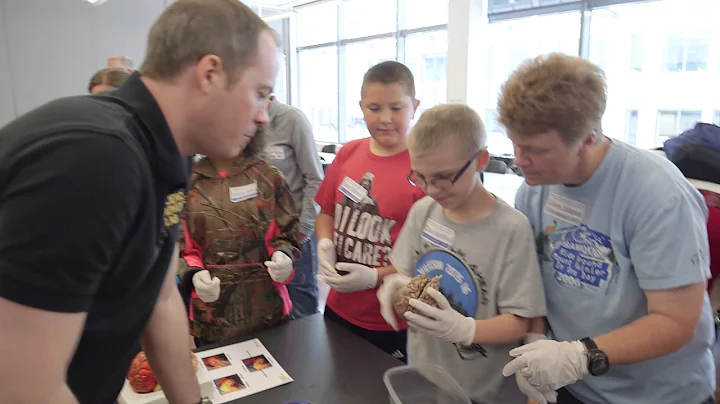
(365, 199)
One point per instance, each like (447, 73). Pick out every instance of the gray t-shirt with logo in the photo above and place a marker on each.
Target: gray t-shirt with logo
(499, 252)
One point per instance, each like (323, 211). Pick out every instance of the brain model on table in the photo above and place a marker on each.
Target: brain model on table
(141, 377)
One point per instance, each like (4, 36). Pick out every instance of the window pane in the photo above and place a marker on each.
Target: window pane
(667, 124)
(698, 49)
(318, 91)
(674, 53)
(363, 18)
(491, 121)
(359, 57)
(637, 52)
(688, 119)
(670, 33)
(515, 41)
(318, 24)
(425, 13)
(631, 128)
(426, 56)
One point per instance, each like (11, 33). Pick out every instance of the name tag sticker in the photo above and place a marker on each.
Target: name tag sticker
(565, 209)
(438, 234)
(275, 152)
(243, 193)
(353, 190)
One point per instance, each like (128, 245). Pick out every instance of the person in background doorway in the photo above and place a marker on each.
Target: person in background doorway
(623, 249)
(107, 79)
(241, 231)
(291, 148)
(121, 62)
(91, 191)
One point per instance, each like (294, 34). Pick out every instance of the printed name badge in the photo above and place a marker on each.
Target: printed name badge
(565, 209)
(438, 234)
(243, 193)
(353, 190)
(275, 152)
(457, 283)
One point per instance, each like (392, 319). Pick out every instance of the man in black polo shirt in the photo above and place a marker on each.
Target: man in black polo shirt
(91, 189)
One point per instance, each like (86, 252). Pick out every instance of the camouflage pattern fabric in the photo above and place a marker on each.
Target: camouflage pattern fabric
(231, 236)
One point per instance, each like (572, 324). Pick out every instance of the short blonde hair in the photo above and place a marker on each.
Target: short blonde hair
(554, 92)
(189, 30)
(455, 123)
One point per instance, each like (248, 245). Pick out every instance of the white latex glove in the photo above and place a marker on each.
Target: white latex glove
(327, 257)
(549, 365)
(534, 394)
(206, 286)
(386, 296)
(279, 267)
(358, 277)
(444, 322)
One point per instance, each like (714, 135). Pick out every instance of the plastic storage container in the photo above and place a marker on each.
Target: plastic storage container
(427, 384)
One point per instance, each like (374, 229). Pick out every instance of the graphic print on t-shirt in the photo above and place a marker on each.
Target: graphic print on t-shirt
(582, 259)
(461, 284)
(362, 234)
(457, 283)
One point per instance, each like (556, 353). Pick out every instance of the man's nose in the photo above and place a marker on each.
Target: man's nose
(261, 116)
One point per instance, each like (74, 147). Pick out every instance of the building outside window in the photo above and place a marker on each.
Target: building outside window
(661, 59)
(631, 127)
(338, 41)
(687, 52)
(673, 123)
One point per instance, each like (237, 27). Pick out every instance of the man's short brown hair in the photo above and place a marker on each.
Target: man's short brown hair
(189, 30)
(390, 72)
(554, 92)
(124, 61)
(111, 76)
(457, 124)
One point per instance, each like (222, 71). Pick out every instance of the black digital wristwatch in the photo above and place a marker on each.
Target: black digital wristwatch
(597, 360)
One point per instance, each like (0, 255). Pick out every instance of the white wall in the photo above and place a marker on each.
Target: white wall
(51, 48)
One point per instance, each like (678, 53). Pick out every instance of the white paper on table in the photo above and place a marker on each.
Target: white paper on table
(245, 368)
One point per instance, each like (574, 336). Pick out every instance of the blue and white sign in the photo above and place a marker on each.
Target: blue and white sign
(582, 259)
(457, 283)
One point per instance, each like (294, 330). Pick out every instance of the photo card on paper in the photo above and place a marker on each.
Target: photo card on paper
(257, 363)
(229, 384)
(218, 361)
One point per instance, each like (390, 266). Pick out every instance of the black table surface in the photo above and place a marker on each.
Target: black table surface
(329, 364)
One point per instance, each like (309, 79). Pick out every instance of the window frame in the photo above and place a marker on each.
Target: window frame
(687, 37)
(678, 115)
(399, 35)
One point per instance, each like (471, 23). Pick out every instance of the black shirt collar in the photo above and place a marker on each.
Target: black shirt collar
(173, 168)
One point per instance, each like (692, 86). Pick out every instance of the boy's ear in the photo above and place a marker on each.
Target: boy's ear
(415, 104)
(482, 160)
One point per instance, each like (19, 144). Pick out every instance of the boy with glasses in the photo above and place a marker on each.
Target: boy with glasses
(492, 244)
